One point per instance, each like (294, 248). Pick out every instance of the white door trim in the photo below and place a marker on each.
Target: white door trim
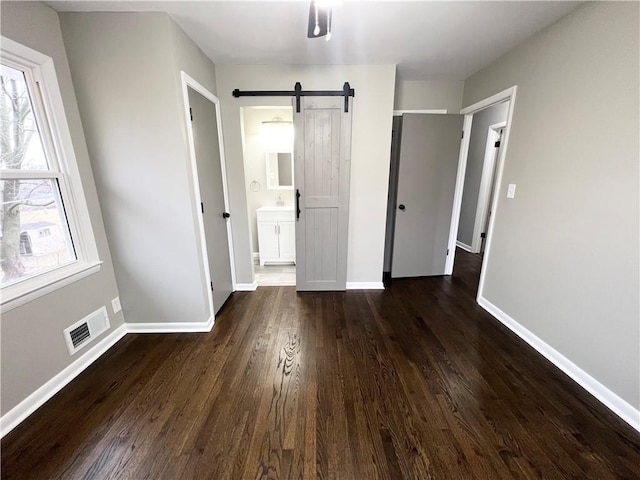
(484, 194)
(188, 82)
(510, 95)
(457, 194)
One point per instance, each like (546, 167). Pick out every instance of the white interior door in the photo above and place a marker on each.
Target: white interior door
(429, 150)
(207, 149)
(322, 171)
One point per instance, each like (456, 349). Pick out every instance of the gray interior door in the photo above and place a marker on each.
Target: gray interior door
(429, 150)
(322, 169)
(207, 148)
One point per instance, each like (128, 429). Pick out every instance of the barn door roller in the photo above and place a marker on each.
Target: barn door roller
(297, 92)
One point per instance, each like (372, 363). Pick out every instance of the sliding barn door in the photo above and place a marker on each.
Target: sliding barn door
(429, 151)
(322, 170)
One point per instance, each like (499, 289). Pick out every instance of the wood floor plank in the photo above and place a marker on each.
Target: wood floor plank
(413, 382)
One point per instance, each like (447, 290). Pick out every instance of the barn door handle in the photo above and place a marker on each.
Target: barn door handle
(297, 204)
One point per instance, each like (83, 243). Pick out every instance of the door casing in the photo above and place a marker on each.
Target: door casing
(506, 95)
(189, 82)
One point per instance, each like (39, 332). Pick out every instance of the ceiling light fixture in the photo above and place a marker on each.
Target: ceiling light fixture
(320, 18)
(316, 30)
(277, 135)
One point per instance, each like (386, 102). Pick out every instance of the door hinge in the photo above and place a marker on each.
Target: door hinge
(202, 207)
(497, 144)
(211, 286)
(191, 113)
(462, 134)
(447, 252)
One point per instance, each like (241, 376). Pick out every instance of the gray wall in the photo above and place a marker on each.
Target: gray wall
(126, 69)
(370, 148)
(429, 95)
(564, 256)
(33, 347)
(187, 56)
(475, 161)
(255, 166)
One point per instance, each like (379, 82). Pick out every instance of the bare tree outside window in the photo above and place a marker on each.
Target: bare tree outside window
(28, 205)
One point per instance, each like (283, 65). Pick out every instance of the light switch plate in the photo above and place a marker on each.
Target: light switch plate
(115, 304)
(511, 190)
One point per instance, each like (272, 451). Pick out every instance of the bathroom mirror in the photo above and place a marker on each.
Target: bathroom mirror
(279, 170)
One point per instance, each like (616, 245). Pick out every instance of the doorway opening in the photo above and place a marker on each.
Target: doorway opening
(269, 173)
(210, 192)
(484, 146)
(444, 176)
(478, 184)
(424, 154)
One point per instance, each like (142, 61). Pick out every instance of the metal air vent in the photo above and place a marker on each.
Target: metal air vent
(85, 331)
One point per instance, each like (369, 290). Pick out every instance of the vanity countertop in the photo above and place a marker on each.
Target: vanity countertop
(275, 208)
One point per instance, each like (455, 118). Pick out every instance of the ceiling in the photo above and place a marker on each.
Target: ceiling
(427, 40)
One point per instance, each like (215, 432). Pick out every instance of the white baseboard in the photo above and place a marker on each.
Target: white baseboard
(176, 327)
(616, 404)
(365, 286)
(250, 287)
(246, 287)
(20, 412)
(464, 246)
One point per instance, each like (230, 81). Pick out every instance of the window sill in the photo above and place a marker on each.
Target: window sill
(17, 295)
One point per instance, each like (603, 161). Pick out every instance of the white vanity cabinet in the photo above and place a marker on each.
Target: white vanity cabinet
(276, 234)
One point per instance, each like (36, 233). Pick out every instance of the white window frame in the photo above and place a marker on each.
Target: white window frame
(49, 112)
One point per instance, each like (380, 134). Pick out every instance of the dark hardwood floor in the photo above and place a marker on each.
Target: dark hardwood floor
(412, 382)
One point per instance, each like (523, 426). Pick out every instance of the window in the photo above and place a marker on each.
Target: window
(45, 233)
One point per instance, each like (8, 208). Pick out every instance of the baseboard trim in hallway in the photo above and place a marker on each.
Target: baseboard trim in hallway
(616, 404)
(365, 286)
(246, 287)
(20, 412)
(175, 327)
(463, 246)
